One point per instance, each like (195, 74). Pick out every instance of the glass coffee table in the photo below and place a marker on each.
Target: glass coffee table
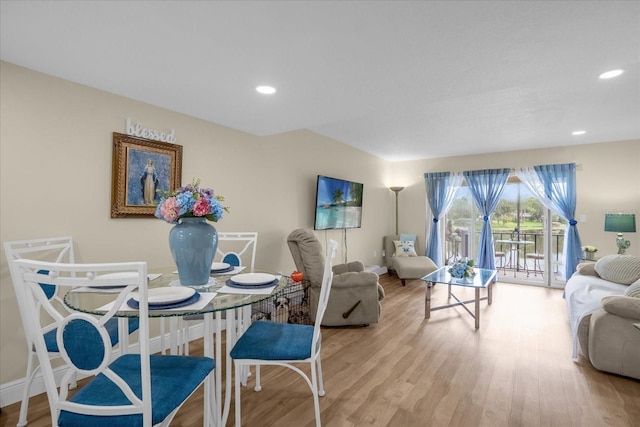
(483, 278)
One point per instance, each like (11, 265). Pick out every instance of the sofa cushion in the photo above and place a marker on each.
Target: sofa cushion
(404, 248)
(633, 290)
(622, 306)
(587, 269)
(622, 269)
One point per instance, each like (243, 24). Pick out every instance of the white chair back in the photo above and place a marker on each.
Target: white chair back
(91, 354)
(237, 248)
(59, 249)
(327, 280)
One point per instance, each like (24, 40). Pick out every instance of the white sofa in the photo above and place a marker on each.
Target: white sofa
(602, 317)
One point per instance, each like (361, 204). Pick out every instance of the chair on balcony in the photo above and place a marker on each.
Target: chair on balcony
(537, 265)
(501, 261)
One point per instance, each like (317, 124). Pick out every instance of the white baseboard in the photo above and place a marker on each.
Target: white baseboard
(11, 392)
(376, 269)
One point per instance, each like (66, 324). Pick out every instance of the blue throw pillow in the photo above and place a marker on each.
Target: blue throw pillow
(408, 237)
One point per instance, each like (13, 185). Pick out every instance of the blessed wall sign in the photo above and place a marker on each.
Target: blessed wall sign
(136, 129)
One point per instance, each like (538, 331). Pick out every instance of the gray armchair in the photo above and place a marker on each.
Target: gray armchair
(355, 294)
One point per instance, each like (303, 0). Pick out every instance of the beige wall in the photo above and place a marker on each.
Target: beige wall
(55, 177)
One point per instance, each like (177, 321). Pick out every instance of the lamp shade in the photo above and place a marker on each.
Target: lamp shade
(620, 223)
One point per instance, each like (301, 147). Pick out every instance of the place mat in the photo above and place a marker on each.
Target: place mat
(192, 299)
(233, 284)
(205, 298)
(234, 270)
(252, 290)
(212, 282)
(222, 270)
(261, 291)
(110, 289)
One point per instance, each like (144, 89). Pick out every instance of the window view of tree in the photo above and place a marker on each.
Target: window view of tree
(518, 216)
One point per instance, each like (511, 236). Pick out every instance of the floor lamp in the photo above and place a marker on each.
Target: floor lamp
(396, 190)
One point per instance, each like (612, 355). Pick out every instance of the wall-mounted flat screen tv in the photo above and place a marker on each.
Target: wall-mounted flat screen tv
(338, 204)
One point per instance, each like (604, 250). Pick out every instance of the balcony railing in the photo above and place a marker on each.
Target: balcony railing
(459, 245)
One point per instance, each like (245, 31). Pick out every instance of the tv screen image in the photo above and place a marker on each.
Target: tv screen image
(338, 204)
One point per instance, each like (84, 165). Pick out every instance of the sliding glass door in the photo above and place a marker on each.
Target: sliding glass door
(528, 238)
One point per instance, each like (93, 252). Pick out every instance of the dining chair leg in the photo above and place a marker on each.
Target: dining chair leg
(24, 405)
(316, 400)
(258, 386)
(237, 394)
(320, 380)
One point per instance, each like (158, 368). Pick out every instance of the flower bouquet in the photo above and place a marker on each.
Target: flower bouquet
(589, 251)
(462, 269)
(190, 201)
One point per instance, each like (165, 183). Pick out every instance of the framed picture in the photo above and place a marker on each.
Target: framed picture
(142, 167)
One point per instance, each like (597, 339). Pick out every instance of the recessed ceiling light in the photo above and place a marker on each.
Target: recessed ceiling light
(611, 74)
(266, 90)
(578, 132)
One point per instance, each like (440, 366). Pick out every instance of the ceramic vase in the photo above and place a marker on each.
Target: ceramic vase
(193, 243)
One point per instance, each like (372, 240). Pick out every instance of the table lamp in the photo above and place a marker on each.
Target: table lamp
(620, 223)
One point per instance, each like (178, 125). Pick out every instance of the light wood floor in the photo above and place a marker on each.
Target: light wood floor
(516, 370)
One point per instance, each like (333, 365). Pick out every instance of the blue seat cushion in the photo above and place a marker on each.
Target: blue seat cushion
(112, 329)
(173, 379)
(265, 340)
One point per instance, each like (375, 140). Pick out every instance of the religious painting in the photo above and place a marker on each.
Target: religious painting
(142, 170)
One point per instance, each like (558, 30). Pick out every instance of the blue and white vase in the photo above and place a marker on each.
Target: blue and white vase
(193, 243)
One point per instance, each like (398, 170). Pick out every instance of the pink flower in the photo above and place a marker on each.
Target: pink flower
(202, 207)
(170, 209)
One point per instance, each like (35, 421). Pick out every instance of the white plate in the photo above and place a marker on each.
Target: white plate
(118, 275)
(253, 278)
(122, 275)
(167, 295)
(220, 266)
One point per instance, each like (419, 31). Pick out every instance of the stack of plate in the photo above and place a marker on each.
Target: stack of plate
(221, 267)
(166, 298)
(252, 281)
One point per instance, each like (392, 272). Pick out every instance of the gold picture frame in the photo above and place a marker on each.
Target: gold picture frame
(141, 167)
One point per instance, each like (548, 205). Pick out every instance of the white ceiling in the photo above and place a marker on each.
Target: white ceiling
(401, 80)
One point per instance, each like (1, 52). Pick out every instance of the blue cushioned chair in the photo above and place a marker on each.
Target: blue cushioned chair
(59, 249)
(132, 390)
(286, 344)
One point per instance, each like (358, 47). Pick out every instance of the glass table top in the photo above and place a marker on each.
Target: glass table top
(89, 302)
(481, 278)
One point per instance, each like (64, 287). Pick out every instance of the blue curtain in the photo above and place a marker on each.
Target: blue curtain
(441, 190)
(486, 187)
(555, 186)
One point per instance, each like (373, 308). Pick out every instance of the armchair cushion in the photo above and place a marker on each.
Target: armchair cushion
(345, 268)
